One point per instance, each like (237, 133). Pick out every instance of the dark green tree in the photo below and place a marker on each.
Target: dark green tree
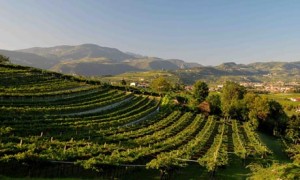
(268, 115)
(293, 129)
(200, 91)
(123, 82)
(232, 94)
(277, 119)
(214, 101)
(257, 108)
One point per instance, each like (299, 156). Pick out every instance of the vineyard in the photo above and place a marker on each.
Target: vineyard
(48, 119)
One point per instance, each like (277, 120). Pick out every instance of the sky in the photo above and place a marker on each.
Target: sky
(208, 32)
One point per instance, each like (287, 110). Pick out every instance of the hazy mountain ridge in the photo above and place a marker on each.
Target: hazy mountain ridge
(91, 59)
(79, 52)
(73, 59)
(29, 59)
(277, 66)
(254, 72)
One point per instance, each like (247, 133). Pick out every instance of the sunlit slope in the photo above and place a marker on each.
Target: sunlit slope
(47, 116)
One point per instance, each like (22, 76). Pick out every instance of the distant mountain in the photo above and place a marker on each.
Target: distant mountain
(63, 53)
(254, 72)
(135, 55)
(152, 63)
(93, 68)
(277, 67)
(29, 59)
(182, 64)
(91, 59)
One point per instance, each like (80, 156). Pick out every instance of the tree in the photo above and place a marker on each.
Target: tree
(257, 108)
(178, 87)
(160, 85)
(277, 117)
(200, 91)
(293, 129)
(123, 82)
(231, 97)
(266, 114)
(214, 102)
(4, 59)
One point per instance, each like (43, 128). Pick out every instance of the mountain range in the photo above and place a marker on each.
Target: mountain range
(94, 60)
(91, 59)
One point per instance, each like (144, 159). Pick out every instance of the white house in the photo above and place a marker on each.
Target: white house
(134, 84)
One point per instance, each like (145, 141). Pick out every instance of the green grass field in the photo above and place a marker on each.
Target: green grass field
(284, 99)
(147, 76)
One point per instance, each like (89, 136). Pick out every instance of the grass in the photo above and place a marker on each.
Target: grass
(147, 76)
(284, 97)
(275, 145)
(142, 173)
(284, 100)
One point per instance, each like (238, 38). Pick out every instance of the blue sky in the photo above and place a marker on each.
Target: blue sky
(209, 32)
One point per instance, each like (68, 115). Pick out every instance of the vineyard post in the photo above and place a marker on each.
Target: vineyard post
(21, 142)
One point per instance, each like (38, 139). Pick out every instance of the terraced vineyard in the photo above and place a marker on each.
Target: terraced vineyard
(51, 118)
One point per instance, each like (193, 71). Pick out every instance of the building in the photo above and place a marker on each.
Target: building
(295, 99)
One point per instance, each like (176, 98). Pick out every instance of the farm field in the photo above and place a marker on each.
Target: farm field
(56, 126)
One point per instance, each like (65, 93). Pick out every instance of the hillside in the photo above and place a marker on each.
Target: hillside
(78, 60)
(93, 67)
(269, 72)
(29, 59)
(69, 53)
(51, 121)
(94, 60)
(255, 72)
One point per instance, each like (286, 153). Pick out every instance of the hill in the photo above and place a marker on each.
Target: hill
(88, 59)
(69, 53)
(94, 60)
(254, 72)
(55, 123)
(268, 72)
(29, 59)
